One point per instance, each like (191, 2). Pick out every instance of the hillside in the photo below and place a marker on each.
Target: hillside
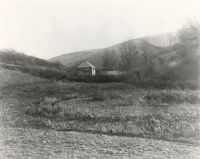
(12, 77)
(154, 44)
(164, 53)
(21, 59)
(13, 60)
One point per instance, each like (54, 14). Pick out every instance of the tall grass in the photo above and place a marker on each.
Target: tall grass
(172, 96)
(105, 95)
(12, 77)
(115, 121)
(38, 71)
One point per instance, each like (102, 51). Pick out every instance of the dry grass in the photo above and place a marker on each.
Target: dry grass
(173, 96)
(106, 113)
(114, 109)
(11, 77)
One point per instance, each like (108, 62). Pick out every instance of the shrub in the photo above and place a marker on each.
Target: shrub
(169, 97)
(98, 96)
(189, 84)
(103, 95)
(45, 108)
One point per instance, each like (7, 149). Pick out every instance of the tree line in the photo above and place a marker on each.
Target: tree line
(187, 47)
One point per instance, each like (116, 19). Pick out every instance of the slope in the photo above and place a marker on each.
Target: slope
(154, 44)
(13, 60)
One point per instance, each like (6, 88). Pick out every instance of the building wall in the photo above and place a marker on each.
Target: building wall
(93, 71)
(86, 71)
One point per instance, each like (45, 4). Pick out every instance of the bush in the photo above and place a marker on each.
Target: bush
(98, 96)
(154, 83)
(103, 95)
(161, 84)
(169, 97)
(189, 84)
(44, 108)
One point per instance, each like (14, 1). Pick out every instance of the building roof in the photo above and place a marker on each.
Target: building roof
(85, 65)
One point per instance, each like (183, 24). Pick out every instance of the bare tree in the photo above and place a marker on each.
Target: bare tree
(145, 52)
(109, 60)
(128, 54)
(148, 68)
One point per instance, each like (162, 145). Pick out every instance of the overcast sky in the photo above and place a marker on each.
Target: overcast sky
(48, 28)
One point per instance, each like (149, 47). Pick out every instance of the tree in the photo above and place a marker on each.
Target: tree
(147, 60)
(190, 34)
(57, 64)
(145, 53)
(109, 60)
(128, 53)
(189, 38)
(172, 39)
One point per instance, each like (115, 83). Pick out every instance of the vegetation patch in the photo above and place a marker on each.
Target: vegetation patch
(105, 95)
(171, 97)
(112, 109)
(158, 124)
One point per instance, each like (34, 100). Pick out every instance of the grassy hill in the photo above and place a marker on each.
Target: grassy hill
(21, 59)
(13, 77)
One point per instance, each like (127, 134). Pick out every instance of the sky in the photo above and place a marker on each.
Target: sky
(48, 28)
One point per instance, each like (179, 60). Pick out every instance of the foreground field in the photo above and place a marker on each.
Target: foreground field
(50, 119)
(115, 109)
(42, 144)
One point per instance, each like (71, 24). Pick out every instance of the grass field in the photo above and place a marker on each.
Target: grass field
(33, 104)
(120, 110)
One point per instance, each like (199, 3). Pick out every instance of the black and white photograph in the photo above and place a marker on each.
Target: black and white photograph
(99, 79)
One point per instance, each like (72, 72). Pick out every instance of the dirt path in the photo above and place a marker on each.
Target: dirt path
(41, 144)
